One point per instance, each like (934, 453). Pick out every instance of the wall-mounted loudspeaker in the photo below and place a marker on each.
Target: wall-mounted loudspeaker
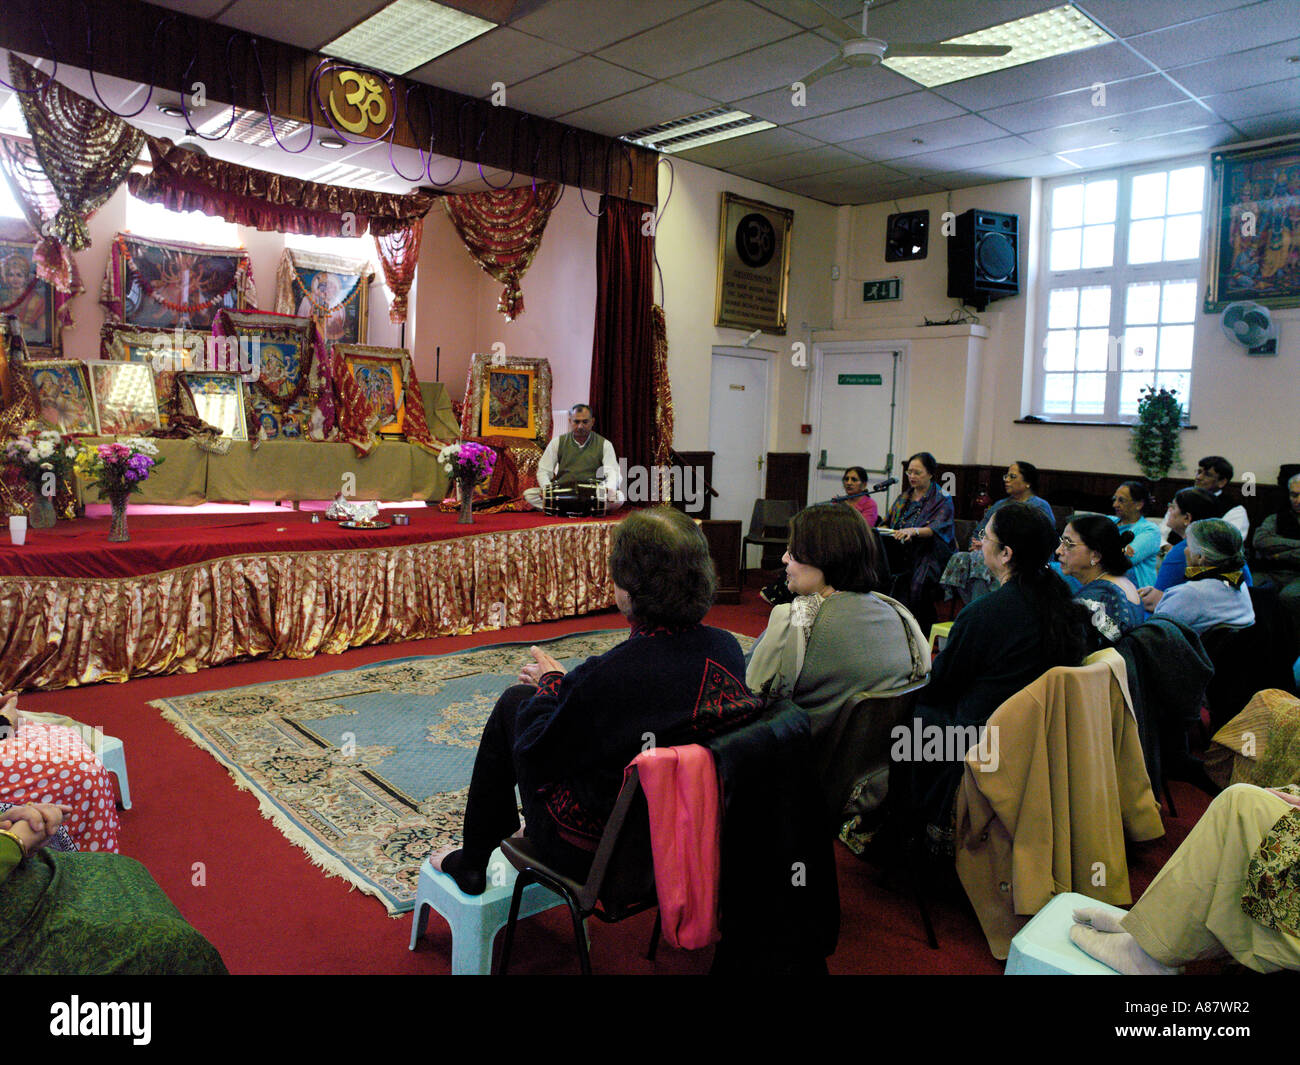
(907, 236)
(984, 258)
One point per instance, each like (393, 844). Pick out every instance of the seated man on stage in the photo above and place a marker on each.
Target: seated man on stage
(565, 738)
(578, 457)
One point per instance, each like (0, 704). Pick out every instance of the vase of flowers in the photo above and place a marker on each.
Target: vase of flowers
(117, 470)
(469, 464)
(42, 461)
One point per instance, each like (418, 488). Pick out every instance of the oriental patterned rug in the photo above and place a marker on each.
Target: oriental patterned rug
(367, 769)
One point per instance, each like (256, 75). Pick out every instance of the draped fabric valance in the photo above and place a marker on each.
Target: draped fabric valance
(187, 181)
(398, 253)
(39, 203)
(84, 150)
(502, 230)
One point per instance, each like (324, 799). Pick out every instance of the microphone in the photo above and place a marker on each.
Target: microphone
(866, 491)
(887, 483)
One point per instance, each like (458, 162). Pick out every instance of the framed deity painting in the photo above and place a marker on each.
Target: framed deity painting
(280, 396)
(61, 391)
(508, 407)
(161, 284)
(166, 353)
(381, 375)
(331, 289)
(125, 402)
(217, 398)
(25, 295)
(1255, 234)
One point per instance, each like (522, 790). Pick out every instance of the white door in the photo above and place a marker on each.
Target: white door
(737, 432)
(856, 416)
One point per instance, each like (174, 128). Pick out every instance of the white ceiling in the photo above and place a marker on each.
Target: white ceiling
(1184, 76)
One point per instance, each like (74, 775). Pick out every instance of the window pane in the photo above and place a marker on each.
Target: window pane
(1065, 249)
(1148, 196)
(1099, 201)
(1179, 303)
(1059, 354)
(1058, 394)
(1176, 382)
(1067, 206)
(1146, 241)
(1140, 349)
(1186, 189)
(1093, 346)
(1098, 245)
(1176, 347)
(1090, 393)
(1062, 308)
(1094, 305)
(1183, 237)
(1130, 391)
(1143, 304)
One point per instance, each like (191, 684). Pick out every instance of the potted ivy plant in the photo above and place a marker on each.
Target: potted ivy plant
(1156, 440)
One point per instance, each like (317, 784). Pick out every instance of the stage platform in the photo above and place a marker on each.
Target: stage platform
(195, 590)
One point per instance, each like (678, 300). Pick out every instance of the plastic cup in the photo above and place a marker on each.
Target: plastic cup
(18, 529)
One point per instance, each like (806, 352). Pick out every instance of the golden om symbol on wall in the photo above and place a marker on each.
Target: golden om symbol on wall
(367, 98)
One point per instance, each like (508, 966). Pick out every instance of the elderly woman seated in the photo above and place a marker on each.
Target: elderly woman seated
(565, 738)
(921, 524)
(1215, 592)
(1092, 552)
(966, 575)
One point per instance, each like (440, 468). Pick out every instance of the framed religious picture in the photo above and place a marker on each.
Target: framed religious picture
(508, 407)
(381, 374)
(125, 402)
(753, 265)
(217, 398)
(1255, 231)
(163, 284)
(283, 385)
(165, 352)
(25, 295)
(61, 391)
(331, 289)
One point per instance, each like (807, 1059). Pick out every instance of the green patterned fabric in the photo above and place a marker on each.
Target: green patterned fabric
(1273, 895)
(74, 914)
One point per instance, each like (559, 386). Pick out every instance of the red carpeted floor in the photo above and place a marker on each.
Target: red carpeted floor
(260, 900)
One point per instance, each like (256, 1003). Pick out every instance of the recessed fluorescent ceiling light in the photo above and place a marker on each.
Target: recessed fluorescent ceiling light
(695, 131)
(1055, 32)
(405, 35)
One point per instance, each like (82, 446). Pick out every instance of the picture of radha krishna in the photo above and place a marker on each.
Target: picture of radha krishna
(61, 391)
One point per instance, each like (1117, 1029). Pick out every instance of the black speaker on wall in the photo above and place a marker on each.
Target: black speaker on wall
(984, 258)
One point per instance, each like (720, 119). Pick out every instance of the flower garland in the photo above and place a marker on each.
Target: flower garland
(321, 307)
(175, 308)
(21, 299)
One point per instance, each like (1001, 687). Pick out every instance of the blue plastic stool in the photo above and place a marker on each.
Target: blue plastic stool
(475, 920)
(112, 754)
(1043, 947)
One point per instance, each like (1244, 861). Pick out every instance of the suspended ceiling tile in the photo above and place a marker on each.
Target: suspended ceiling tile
(908, 188)
(1047, 77)
(775, 66)
(1257, 100)
(1126, 18)
(1166, 147)
(858, 122)
(929, 21)
(835, 92)
(968, 156)
(963, 129)
(1230, 31)
(589, 25)
(849, 10)
(1280, 124)
(862, 174)
(765, 144)
(1150, 123)
(635, 110)
(1035, 166)
(310, 26)
(1258, 66)
(701, 37)
(1086, 104)
(581, 83)
(798, 165)
(503, 55)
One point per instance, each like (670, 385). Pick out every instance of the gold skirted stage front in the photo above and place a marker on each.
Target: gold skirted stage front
(201, 590)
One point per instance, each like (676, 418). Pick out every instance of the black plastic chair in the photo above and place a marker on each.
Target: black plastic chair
(620, 883)
(769, 525)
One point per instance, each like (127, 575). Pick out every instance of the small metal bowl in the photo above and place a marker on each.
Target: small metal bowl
(315, 519)
(401, 519)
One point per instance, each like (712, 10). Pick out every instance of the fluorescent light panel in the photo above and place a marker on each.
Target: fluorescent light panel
(1054, 32)
(695, 131)
(406, 34)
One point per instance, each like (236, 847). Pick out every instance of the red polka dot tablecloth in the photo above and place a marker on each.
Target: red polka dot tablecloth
(53, 764)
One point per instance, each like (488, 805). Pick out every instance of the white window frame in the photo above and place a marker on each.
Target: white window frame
(1118, 276)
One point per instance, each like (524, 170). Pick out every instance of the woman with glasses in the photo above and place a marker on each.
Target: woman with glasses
(1144, 552)
(1092, 552)
(921, 523)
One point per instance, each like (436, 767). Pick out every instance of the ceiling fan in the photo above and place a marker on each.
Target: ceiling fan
(858, 49)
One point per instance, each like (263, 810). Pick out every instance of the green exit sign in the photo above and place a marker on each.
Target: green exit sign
(890, 288)
(861, 379)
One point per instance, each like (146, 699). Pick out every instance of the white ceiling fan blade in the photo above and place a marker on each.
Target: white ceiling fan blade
(836, 26)
(826, 68)
(900, 49)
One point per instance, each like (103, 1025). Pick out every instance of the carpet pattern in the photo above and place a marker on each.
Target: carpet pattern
(367, 769)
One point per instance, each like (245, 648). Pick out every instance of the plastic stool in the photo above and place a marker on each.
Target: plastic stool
(1043, 947)
(939, 632)
(113, 756)
(475, 920)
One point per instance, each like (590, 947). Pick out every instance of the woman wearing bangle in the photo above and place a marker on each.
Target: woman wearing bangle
(921, 521)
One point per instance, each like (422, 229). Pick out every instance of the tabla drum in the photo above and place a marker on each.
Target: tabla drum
(582, 500)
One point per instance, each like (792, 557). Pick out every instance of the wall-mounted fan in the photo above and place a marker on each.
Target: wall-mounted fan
(1251, 326)
(859, 49)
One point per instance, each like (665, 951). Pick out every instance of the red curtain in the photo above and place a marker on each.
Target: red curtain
(623, 376)
(398, 254)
